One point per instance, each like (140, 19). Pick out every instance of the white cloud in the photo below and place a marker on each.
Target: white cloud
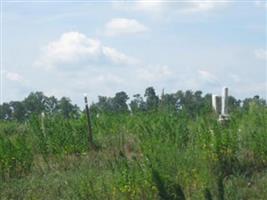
(116, 56)
(109, 78)
(204, 5)
(235, 78)
(261, 54)
(141, 5)
(260, 3)
(157, 6)
(12, 76)
(74, 49)
(124, 26)
(149, 5)
(208, 77)
(154, 73)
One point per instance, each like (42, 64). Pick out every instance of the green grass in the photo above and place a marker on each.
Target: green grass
(156, 155)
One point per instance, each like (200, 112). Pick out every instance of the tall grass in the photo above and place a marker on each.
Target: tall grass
(157, 155)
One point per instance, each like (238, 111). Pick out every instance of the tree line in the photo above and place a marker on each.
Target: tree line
(193, 103)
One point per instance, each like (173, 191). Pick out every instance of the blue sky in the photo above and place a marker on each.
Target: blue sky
(102, 47)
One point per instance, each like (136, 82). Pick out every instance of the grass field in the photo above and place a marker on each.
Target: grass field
(157, 155)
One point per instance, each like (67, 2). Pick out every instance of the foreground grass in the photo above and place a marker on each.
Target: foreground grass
(83, 183)
(143, 156)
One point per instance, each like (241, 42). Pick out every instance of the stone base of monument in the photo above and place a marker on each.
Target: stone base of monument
(224, 119)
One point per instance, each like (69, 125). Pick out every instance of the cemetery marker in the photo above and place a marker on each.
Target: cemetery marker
(220, 105)
(224, 116)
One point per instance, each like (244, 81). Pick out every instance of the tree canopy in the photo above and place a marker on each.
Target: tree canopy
(36, 103)
(193, 103)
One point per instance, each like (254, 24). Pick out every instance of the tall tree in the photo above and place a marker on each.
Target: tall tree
(5, 111)
(120, 102)
(168, 102)
(188, 102)
(152, 100)
(35, 103)
(137, 104)
(18, 110)
(233, 104)
(66, 109)
(104, 104)
(248, 102)
(51, 105)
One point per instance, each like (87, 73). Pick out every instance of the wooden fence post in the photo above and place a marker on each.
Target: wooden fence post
(42, 123)
(89, 123)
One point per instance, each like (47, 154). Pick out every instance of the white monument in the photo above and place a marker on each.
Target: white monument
(220, 104)
(224, 112)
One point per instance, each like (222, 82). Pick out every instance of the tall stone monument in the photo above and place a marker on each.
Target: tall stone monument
(220, 105)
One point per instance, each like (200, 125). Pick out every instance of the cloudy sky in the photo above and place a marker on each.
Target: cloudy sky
(102, 47)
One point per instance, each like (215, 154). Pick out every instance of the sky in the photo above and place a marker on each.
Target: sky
(68, 48)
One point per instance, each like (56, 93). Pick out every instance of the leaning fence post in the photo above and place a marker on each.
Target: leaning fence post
(89, 124)
(42, 123)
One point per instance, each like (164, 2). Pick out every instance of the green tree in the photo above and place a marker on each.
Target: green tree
(152, 100)
(233, 104)
(250, 101)
(104, 104)
(35, 103)
(207, 107)
(120, 102)
(18, 110)
(137, 104)
(189, 103)
(66, 109)
(51, 105)
(5, 111)
(168, 102)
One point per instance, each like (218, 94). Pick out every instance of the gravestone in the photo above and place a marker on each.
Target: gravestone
(216, 103)
(220, 104)
(224, 111)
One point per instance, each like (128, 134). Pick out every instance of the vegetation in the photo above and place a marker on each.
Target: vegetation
(168, 147)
